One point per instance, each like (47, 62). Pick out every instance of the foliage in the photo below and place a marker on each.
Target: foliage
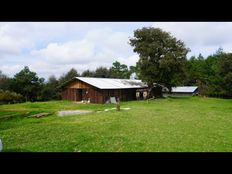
(194, 66)
(225, 74)
(27, 83)
(117, 70)
(68, 76)
(9, 97)
(133, 70)
(212, 74)
(120, 71)
(102, 72)
(88, 73)
(4, 81)
(161, 56)
(50, 90)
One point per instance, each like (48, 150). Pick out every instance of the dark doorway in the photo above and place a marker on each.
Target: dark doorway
(79, 94)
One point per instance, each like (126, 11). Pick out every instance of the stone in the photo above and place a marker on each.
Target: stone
(72, 112)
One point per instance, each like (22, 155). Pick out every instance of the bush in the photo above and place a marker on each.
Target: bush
(10, 97)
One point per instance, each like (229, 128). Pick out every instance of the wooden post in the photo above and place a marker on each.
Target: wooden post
(118, 105)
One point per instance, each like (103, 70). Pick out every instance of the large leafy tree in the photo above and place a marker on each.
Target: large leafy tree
(27, 83)
(161, 56)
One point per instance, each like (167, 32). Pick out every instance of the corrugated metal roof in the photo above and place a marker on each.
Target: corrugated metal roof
(184, 89)
(107, 83)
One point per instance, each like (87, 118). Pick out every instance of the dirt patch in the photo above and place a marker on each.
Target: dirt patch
(73, 112)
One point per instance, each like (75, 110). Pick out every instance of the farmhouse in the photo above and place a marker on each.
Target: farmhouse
(184, 91)
(99, 90)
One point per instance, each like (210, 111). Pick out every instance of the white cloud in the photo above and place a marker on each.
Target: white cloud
(16, 36)
(131, 60)
(9, 70)
(201, 37)
(55, 47)
(99, 47)
(11, 42)
(66, 53)
(106, 38)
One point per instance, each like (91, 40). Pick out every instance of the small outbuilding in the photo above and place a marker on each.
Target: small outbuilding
(184, 91)
(100, 90)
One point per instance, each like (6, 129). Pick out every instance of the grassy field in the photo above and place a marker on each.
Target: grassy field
(186, 124)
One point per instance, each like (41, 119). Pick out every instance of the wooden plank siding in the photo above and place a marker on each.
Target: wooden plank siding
(73, 89)
(68, 94)
(123, 94)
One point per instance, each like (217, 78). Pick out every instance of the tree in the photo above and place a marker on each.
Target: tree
(194, 70)
(4, 81)
(161, 56)
(27, 83)
(133, 71)
(50, 90)
(68, 76)
(211, 74)
(119, 70)
(88, 73)
(209, 82)
(225, 74)
(102, 72)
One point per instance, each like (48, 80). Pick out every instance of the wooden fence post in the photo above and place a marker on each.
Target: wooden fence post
(118, 105)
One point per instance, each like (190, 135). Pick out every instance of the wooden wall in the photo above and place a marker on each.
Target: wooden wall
(79, 85)
(123, 94)
(70, 92)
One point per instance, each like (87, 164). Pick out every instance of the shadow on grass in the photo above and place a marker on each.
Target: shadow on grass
(179, 97)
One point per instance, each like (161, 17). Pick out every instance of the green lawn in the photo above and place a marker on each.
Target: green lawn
(186, 124)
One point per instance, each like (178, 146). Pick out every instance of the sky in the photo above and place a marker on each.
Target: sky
(53, 48)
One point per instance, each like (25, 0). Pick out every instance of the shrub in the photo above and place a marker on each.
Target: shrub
(10, 97)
